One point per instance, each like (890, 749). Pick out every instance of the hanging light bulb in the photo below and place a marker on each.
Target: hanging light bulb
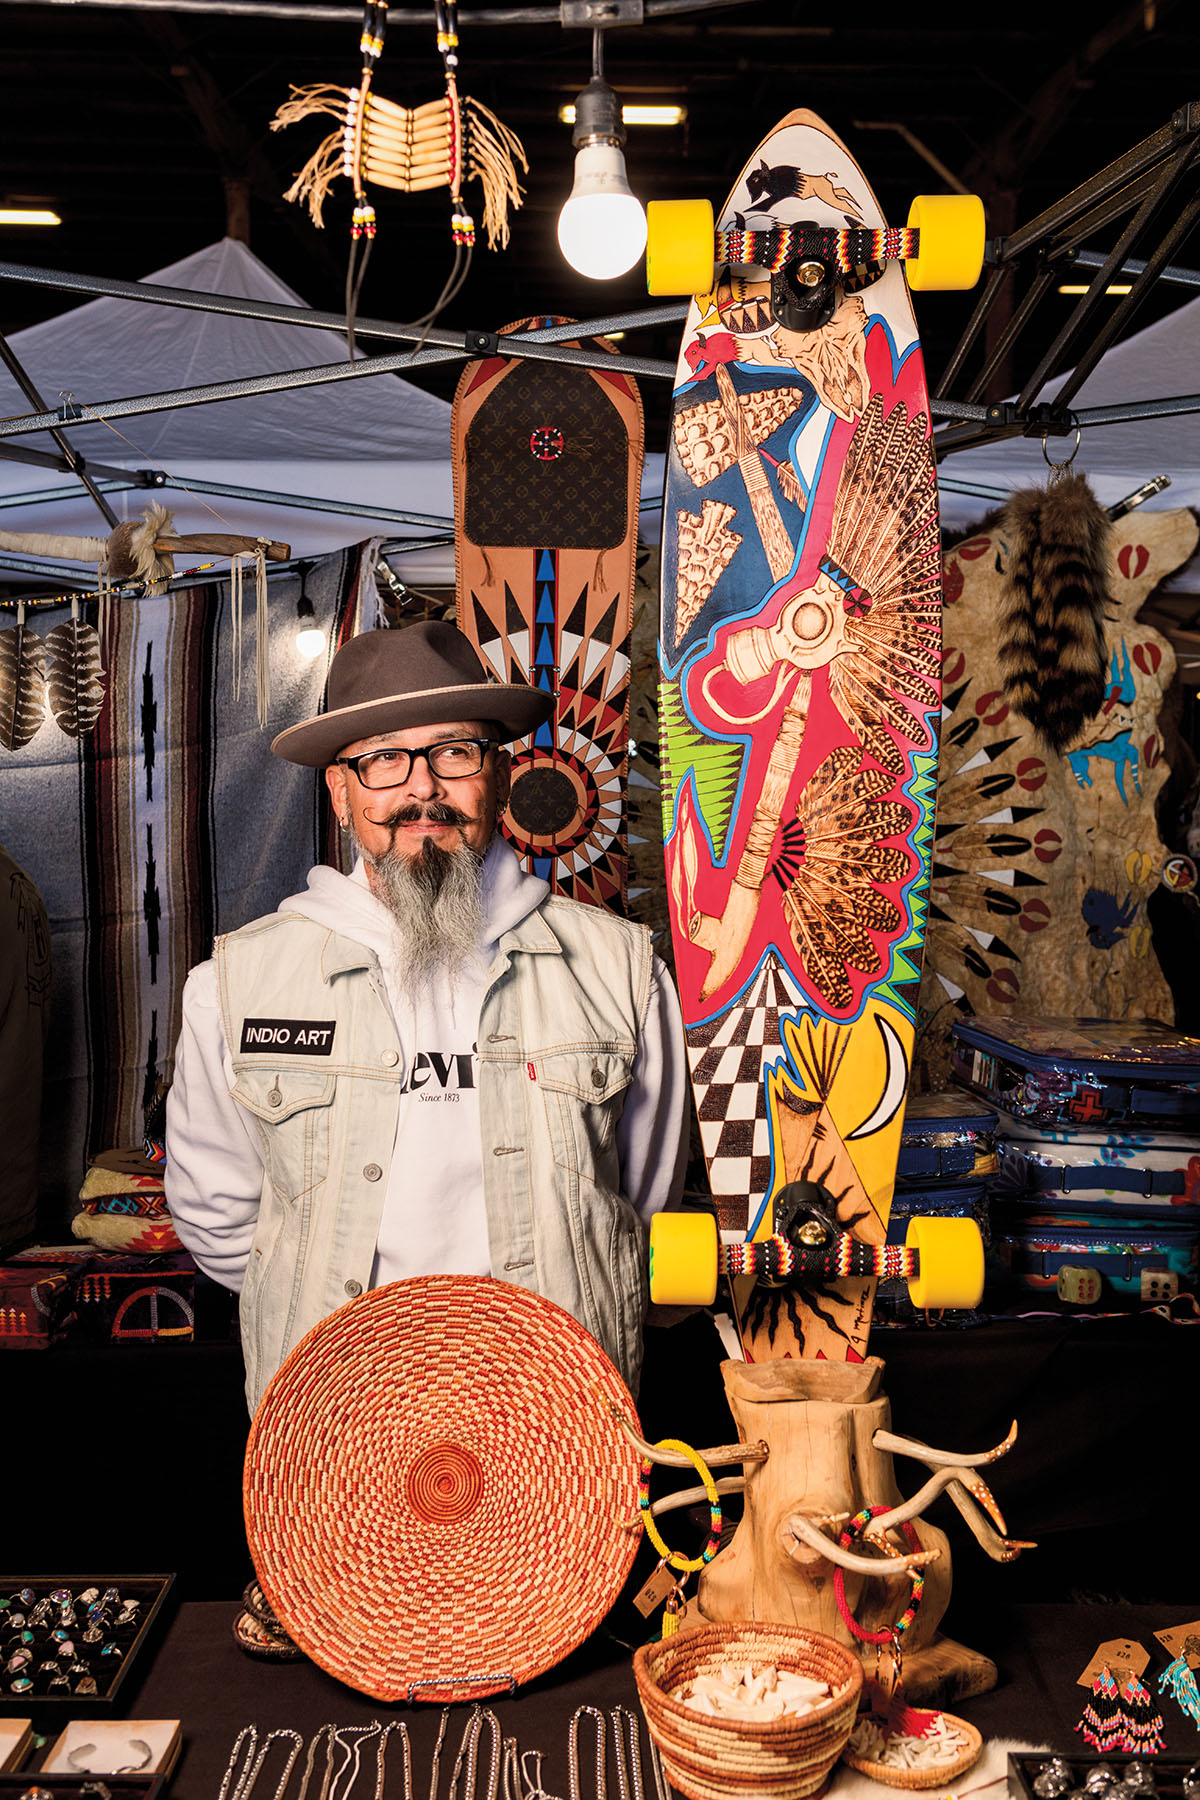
(602, 227)
(311, 638)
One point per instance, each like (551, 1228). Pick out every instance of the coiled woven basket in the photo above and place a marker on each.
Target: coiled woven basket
(781, 1759)
(939, 1776)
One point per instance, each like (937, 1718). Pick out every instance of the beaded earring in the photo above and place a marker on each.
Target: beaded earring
(1143, 1721)
(1100, 1723)
(1178, 1681)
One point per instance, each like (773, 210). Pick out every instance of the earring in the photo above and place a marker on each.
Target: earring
(1143, 1723)
(1180, 1683)
(1100, 1723)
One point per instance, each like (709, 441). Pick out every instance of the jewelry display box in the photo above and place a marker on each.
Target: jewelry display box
(1168, 1771)
(116, 1662)
(81, 1787)
(103, 1748)
(16, 1735)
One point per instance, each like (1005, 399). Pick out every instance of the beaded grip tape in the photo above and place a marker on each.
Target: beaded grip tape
(847, 249)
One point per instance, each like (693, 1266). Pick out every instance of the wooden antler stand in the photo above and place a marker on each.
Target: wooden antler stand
(819, 1420)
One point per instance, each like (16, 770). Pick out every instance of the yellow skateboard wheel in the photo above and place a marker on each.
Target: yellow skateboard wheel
(683, 1259)
(951, 1271)
(953, 231)
(680, 246)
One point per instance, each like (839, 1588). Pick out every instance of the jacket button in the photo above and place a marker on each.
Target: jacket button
(372, 1171)
(390, 1058)
(274, 1098)
(354, 1289)
(597, 1078)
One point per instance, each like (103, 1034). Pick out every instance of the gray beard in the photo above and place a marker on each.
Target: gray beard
(436, 901)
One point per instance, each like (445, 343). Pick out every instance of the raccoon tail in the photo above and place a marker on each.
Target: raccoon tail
(1052, 648)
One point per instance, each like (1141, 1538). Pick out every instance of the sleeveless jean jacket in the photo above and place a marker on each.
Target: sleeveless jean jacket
(558, 1034)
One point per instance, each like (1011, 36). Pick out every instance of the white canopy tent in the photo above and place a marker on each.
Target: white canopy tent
(377, 441)
(1160, 362)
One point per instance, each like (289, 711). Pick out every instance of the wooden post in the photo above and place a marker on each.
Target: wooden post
(819, 1420)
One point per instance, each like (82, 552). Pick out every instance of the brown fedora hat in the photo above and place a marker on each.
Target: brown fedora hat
(425, 674)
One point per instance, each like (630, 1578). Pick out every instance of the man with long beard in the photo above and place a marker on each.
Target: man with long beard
(430, 1066)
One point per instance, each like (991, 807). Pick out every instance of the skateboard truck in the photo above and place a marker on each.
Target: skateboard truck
(809, 1246)
(943, 246)
(804, 294)
(941, 1260)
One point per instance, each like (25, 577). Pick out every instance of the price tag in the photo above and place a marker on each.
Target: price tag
(654, 1593)
(1122, 1655)
(1182, 1640)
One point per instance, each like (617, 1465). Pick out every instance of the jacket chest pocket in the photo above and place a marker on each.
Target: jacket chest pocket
(583, 1093)
(289, 1111)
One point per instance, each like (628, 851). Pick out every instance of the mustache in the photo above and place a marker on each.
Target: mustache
(434, 812)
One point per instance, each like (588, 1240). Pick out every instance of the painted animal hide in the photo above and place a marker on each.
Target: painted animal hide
(1044, 860)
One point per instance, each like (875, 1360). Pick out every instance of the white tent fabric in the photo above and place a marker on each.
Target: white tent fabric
(375, 441)
(1158, 363)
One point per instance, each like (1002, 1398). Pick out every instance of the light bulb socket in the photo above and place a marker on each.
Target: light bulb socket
(599, 170)
(304, 608)
(597, 115)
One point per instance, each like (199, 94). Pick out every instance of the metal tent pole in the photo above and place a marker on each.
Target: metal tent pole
(592, 13)
(41, 459)
(321, 375)
(35, 496)
(315, 319)
(71, 458)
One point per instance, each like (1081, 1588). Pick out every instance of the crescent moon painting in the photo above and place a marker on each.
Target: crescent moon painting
(894, 1087)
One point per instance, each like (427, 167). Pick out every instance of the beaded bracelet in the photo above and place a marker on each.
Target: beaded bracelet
(674, 1558)
(892, 1633)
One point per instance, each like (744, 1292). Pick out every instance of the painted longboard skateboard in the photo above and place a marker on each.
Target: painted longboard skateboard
(547, 479)
(799, 649)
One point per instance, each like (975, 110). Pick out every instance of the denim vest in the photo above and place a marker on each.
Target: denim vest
(558, 1034)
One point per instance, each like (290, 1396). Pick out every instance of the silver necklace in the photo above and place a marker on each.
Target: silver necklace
(255, 1756)
(587, 1712)
(466, 1763)
(627, 1747)
(360, 1734)
(622, 1715)
(380, 1763)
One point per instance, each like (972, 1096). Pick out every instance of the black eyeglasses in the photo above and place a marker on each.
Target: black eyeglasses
(452, 758)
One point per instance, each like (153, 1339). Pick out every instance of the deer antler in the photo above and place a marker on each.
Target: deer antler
(897, 1562)
(671, 1459)
(955, 1474)
(942, 1459)
(729, 1484)
(925, 1496)
(1000, 1549)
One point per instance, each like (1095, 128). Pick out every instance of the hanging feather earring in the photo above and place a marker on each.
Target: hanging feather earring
(76, 678)
(1053, 655)
(22, 683)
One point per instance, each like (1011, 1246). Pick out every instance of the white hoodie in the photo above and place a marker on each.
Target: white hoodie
(214, 1175)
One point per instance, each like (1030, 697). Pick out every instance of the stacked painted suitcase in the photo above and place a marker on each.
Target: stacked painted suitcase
(1096, 1203)
(947, 1160)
